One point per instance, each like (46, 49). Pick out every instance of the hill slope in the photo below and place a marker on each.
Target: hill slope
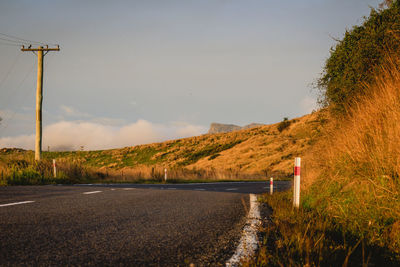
(261, 150)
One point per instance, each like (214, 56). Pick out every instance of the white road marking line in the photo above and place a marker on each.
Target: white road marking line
(231, 189)
(248, 242)
(112, 189)
(91, 192)
(128, 188)
(16, 203)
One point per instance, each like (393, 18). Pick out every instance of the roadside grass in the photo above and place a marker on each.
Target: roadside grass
(350, 208)
(353, 172)
(308, 237)
(18, 167)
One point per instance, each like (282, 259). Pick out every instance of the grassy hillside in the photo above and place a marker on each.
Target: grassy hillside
(247, 151)
(251, 153)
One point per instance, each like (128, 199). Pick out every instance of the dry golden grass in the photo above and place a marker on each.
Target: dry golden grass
(145, 173)
(267, 150)
(262, 150)
(353, 172)
(350, 212)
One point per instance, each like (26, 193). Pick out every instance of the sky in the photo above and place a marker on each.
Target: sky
(134, 72)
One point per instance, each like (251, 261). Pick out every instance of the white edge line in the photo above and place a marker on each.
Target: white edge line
(91, 192)
(16, 203)
(248, 242)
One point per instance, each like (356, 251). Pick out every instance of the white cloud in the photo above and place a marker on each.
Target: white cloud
(70, 135)
(308, 104)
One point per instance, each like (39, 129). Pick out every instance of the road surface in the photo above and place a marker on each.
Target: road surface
(136, 225)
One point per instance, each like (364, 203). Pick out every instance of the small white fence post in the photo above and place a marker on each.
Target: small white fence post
(296, 183)
(271, 185)
(54, 168)
(165, 174)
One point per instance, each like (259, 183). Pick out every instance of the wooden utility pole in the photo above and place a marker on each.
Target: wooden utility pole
(39, 94)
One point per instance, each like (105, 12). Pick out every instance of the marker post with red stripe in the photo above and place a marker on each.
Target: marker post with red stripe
(271, 185)
(296, 183)
(54, 168)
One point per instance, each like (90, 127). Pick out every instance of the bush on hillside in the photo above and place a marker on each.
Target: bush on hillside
(284, 124)
(355, 58)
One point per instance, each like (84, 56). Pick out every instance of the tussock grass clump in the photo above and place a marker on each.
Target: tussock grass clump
(354, 172)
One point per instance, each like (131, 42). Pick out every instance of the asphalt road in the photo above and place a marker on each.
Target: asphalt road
(130, 225)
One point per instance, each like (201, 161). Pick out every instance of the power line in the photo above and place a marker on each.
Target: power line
(13, 41)
(9, 71)
(1, 43)
(21, 39)
(13, 113)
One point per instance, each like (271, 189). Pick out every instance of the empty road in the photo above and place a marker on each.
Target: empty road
(136, 225)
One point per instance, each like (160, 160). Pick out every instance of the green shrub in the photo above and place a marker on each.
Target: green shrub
(214, 156)
(24, 176)
(212, 149)
(355, 59)
(284, 124)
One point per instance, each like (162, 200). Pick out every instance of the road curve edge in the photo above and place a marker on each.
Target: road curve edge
(248, 243)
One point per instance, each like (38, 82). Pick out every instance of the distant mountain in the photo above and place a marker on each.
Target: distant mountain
(226, 128)
(222, 128)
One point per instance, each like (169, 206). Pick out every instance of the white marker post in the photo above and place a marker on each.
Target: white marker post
(54, 168)
(165, 174)
(271, 185)
(296, 183)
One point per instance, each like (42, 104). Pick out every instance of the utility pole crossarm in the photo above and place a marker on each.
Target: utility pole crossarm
(23, 49)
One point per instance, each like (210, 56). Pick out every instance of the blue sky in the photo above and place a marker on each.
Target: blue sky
(175, 66)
